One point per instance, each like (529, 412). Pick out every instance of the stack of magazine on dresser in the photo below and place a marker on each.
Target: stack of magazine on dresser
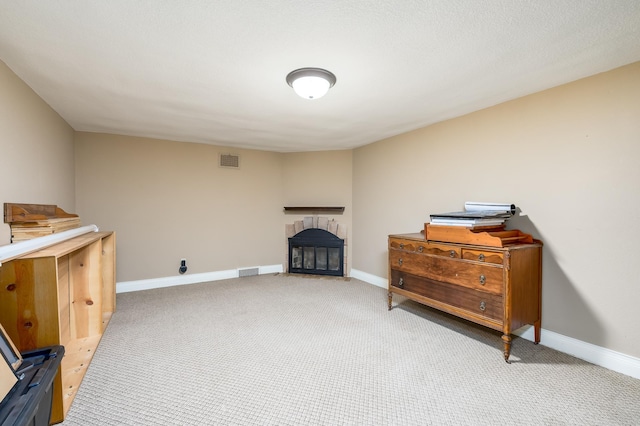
(475, 215)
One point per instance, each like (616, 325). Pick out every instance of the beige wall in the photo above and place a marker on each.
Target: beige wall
(569, 157)
(36, 150)
(170, 200)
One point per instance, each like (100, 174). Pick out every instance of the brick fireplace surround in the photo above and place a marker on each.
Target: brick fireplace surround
(319, 222)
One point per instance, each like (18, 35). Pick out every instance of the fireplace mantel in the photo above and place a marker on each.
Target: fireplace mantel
(315, 209)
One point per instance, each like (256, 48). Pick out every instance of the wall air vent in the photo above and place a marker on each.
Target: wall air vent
(229, 161)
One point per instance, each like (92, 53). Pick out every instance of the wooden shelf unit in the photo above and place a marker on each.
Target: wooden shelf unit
(63, 294)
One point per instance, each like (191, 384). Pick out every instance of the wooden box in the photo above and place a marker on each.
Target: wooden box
(491, 236)
(29, 221)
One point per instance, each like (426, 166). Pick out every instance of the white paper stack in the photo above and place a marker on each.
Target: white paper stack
(476, 214)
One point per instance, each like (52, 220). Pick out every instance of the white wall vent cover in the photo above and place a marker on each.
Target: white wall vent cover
(229, 161)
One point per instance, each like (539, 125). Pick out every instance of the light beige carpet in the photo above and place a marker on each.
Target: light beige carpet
(292, 350)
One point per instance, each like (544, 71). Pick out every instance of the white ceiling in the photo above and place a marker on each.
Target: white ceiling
(214, 71)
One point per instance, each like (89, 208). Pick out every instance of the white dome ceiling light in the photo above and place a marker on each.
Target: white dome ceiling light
(311, 83)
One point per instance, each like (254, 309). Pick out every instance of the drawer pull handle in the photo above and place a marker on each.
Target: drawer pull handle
(401, 282)
(420, 249)
(483, 279)
(481, 257)
(401, 245)
(452, 253)
(483, 306)
(400, 261)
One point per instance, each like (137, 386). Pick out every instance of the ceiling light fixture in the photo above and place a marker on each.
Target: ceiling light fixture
(311, 83)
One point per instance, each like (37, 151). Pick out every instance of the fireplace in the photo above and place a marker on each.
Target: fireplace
(316, 251)
(316, 246)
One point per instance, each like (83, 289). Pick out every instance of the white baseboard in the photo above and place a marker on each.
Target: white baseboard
(597, 355)
(271, 269)
(616, 361)
(369, 278)
(127, 286)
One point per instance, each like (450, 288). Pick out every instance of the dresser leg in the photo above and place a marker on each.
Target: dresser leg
(536, 332)
(390, 297)
(506, 339)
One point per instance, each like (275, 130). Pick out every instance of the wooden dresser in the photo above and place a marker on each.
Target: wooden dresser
(497, 287)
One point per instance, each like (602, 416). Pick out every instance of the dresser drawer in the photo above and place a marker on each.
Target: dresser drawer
(456, 271)
(483, 256)
(407, 245)
(474, 301)
(444, 250)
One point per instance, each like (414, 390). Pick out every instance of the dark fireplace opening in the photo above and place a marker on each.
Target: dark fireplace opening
(316, 251)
